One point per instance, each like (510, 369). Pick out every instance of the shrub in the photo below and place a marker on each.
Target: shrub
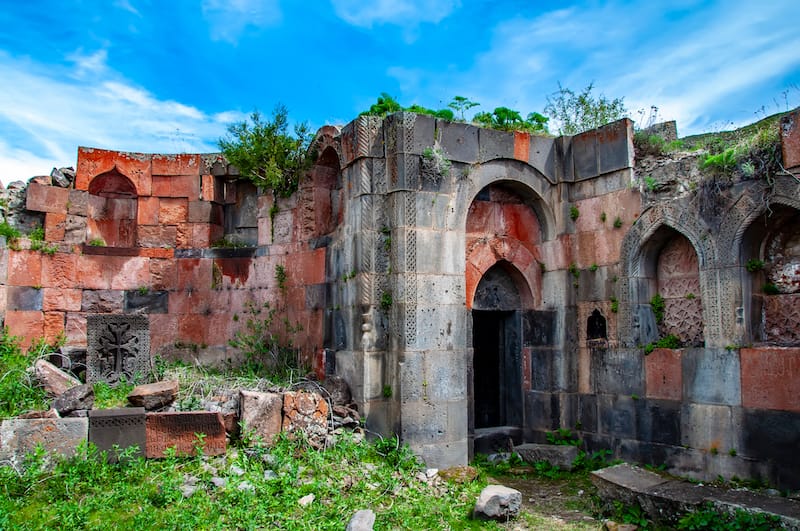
(266, 153)
(575, 113)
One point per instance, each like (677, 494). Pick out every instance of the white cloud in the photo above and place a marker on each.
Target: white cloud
(46, 113)
(228, 19)
(406, 13)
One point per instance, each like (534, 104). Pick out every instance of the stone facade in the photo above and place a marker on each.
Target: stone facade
(460, 279)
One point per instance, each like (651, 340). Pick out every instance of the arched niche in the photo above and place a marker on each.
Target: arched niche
(323, 189)
(770, 258)
(112, 210)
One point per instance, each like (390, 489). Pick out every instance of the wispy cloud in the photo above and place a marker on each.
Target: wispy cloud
(406, 13)
(46, 113)
(228, 19)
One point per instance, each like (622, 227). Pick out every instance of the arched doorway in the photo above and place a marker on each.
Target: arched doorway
(497, 344)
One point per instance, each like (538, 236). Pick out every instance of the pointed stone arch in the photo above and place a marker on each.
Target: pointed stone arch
(112, 210)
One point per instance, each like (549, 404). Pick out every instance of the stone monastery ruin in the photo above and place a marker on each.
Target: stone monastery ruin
(500, 288)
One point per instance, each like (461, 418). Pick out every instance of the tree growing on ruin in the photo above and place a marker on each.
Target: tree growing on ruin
(266, 152)
(575, 113)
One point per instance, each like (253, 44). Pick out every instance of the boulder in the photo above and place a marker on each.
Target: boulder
(54, 380)
(363, 520)
(80, 397)
(497, 502)
(154, 396)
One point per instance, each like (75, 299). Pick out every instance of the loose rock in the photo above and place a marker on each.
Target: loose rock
(497, 502)
(54, 380)
(80, 397)
(363, 520)
(154, 396)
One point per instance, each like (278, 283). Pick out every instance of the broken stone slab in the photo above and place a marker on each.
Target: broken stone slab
(625, 482)
(338, 390)
(46, 414)
(558, 455)
(261, 414)
(363, 520)
(54, 380)
(74, 399)
(497, 502)
(306, 412)
(459, 474)
(20, 437)
(111, 430)
(186, 432)
(155, 395)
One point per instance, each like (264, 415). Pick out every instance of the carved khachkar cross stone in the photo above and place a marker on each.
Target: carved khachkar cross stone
(118, 347)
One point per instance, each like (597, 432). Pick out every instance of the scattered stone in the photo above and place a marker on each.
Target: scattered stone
(459, 474)
(306, 412)
(225, 402)
(262, 414)
(306, 500)
(48, 414)
(497, 502)
(54, 380)
(236, 471)
(60, 178)
(561, 456)
(188, 490)
(363, 520)
(186, 432)
(80, 397)
(154, 396)
(345, 417)
(219, 482)
(338, 390)
(611, 525)
(246, 485)
(112, 430)
(269, 475)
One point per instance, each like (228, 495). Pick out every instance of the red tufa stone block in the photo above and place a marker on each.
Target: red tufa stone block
(790, 139)
(609, 244)
(473, 276)
(28, 325)
(482, 218)
(147, 210)
(75, 329)
(62, 300)
(59, 270)
(24, 268)
(163, 274)
(53, 325)
(155, 252)
(521, 223)
(182, 164)
(664, 377)
(173, 211)
(55, 225)
(112, 272)
(201, 235)
(587, 242)
(185, 186)
(207, 188)
(179, 430)
(157, 236)
(183, 236)
(194, 273)
(163, 330)
(522, 145)
(93, 162)
(771, 378)
(192, 328)
(42, 198)
(589, 219)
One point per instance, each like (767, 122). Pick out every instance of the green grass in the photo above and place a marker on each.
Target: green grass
(19, 391)
(86, 492)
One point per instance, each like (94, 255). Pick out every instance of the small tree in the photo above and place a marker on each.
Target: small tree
(460, 104)
(576, 113)
(266, 153)
(507, 119)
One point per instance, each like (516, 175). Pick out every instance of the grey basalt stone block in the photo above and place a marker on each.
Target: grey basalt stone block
(20, 437)
(111, 430)
(561, 456)
(23, 298)
(712, 376)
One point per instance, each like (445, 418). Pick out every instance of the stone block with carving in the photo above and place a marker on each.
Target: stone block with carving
(118, 347)
(117, 429)
(262, 414)
(186, 432)
(306, 412)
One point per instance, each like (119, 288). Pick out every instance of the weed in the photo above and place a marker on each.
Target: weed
(602, 217)
(630, 514)
(770, 289)
(107, 396)
(387, 391)
(228, 242)
(614, 305)
(650, 183)
(574, 213)
(143, 290)
(658, 305)
(574, 271)
(563, 437)
(670, 341)
(386, 301)
(707, 517)
(97, 242)
(732, 452)
(754, 264)
(593, 268)
(617, 222)
(434, 159)
(280, 276)
(36, 235)
(9, 232)
(690, 296)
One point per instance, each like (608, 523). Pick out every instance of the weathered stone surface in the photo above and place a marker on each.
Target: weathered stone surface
(54, 380)
(307, 412)
(21, 437)
(459, 474)
(497, 502)
(74, 398)
(46, 414)
(624, 482)
(262, 414)
(155, 395)
(121, 428)
(561, 456)
(118, 346)
(180, 431)
(338, 390)
(363, 520)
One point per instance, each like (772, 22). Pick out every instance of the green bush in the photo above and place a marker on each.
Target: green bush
(266, 153)
(19, 391)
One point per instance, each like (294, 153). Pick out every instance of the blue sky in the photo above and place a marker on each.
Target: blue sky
(169, 75)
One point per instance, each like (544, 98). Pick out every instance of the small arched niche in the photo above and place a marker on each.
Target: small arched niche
(770, 256)
(112, 210)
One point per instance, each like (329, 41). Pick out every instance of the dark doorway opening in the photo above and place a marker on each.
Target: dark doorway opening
(497, 368)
